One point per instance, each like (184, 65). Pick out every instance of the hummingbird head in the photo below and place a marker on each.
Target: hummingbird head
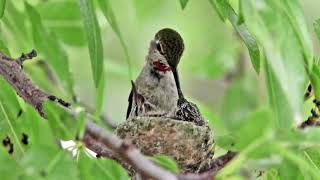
(166, 49)
(170, 45)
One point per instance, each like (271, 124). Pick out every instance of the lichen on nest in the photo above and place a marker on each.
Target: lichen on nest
(185, 142)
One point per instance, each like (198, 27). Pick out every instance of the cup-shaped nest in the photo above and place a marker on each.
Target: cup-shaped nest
(183, 141)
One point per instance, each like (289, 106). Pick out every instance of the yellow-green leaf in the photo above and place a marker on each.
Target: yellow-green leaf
(93, 35)
(2, 7)
(183, 3)
(109, 15)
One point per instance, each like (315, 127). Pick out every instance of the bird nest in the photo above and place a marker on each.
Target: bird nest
(183, 141)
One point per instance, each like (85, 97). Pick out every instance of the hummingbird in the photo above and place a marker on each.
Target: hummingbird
(156, 83)
(159, 84)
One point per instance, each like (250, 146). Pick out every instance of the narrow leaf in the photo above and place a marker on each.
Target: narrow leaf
(66, 25)
(100, 96)
(238, 101)
(227, 12)
(47, 162)
(257, 123)
(316, 26)
(10, 168)
(283, 56)
(92, 30)
(14, 22)
(106, 168)
(297, 160)
(48, 45)
(106, 8)
(166, 162)
(9, 122)
(297, 20)
(240, 19)
(247, 38)
(60, 122)
(277, 99)
(315, 80)
(220, 9)
(2, 7)
(3, 48)
(12, 129)
(183, 3)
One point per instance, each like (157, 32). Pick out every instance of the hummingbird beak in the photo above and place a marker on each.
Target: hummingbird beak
(176, 79)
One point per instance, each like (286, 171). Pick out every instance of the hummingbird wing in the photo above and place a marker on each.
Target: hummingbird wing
(132, 95)
(130, 100)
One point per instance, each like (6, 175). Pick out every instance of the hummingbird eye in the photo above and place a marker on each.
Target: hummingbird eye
(159, 48)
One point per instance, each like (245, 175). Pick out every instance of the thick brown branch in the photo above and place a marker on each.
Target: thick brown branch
(11, 71)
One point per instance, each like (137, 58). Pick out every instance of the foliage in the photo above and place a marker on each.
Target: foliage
(95, 47)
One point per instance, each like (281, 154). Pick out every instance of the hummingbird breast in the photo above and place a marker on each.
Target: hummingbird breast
(158, 88)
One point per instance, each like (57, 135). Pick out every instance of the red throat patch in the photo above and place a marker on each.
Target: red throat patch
(158, 65)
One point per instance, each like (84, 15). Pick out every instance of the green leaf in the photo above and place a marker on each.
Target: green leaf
(227, 12)
(10, 169)
(81, 121)
(93, 35)
(238, 101)
(9, 122)
(36, 128)
(316, 26)
(315, 80)
(61, 124)
(106, 8)
(220, 7)
(252, 127)
(100, 96)
(67, 25)
(2, 7)
(284, 56)
(106, 168)
(49, 163)
(14, 22)
(313, 156)
(183, 3)
(298, 22)
(289, 170)
(52, 50)
(237, 163)
(225, 141)
(247, 38)
(296, 159)
(277, 99)
(240, 17)
(166, 163)
(3, 48)
(215, 123)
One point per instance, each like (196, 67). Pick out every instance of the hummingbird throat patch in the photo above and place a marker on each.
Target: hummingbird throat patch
(158, 65)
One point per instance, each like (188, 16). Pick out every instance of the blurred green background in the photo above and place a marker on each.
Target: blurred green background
(216, 73)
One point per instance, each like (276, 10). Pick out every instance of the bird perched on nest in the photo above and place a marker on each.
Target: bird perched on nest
(158, 84)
